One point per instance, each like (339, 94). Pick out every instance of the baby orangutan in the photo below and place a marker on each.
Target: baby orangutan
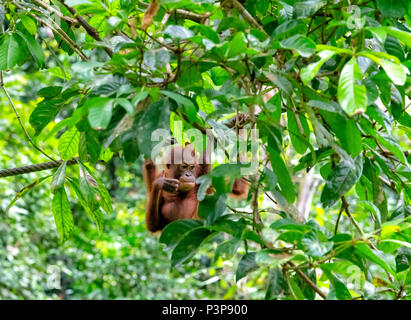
(172, 194)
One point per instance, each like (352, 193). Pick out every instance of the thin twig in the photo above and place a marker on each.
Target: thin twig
(56, 28)
(19, 119)
(89, 29)
(356, 225)
(247, 16)
(338, 218)
(184, 14)
(56, 12)
(307, 280)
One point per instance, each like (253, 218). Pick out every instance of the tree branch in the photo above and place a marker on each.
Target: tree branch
(307, 280)
(89, 29)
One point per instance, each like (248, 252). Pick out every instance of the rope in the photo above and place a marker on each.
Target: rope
(34, 167)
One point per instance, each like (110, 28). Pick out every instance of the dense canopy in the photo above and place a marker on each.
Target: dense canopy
(321, 89)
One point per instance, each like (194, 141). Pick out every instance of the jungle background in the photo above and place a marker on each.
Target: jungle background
(328, 212)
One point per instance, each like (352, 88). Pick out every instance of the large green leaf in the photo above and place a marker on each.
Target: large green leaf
(395, 70)
(89, 189)
(392, 8)
(297, 129)
(189, 245)
(375, 256)
(302, 44)
(236, 46)
(351, 95)
(9, 52)
(156, 59)
(399, 34)
(310, 71)
(43, 114)
(34, 48)
(62, 214)
(340, 290)
(188, 105)
(246, 265)
(28, 23)
(228, 248)
(314, 247)
(157, 116)
(342, 178)
(276, 283)
(211, 208)
(68, 143)
(100, 115)
(284, 180)
(58, 178)
(175, 230)
(178, 33)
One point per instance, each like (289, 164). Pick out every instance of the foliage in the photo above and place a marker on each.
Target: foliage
(326, 83)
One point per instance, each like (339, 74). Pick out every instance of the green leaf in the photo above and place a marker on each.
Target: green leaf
(403, 258)
(228, 248)
(89, 189)
(284, 180)
(89, 146)
(392, 145)
(341, 291)
(302, 44)
(276, 283)
(236, 46)
(139, 97)
(211, 208)
(401, 35)
(219, 75)
(97, 217)
(68, 143)
(392, 8)
(289, 224)
(246, 265)
(342, 178)
(314, 247)
(281, 82)
(205, 182)
(175, 230)
(9, 52)
(105, 197)
(299, 142)
(351, 95)
(34, 48)
(62, 214)
(308, 7)
(49, 92)
(94, 213)
(189, 245)
(188, 105)
(125, 104)
(24, 190)
(156, 59)
(395, 71)
(178, 32)
(43, 114)
(310, 71)
(208, 32)
(99, 116)
(156, 116)
(28, 23)
(58, 178)
(375, 256)
(353, 136)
